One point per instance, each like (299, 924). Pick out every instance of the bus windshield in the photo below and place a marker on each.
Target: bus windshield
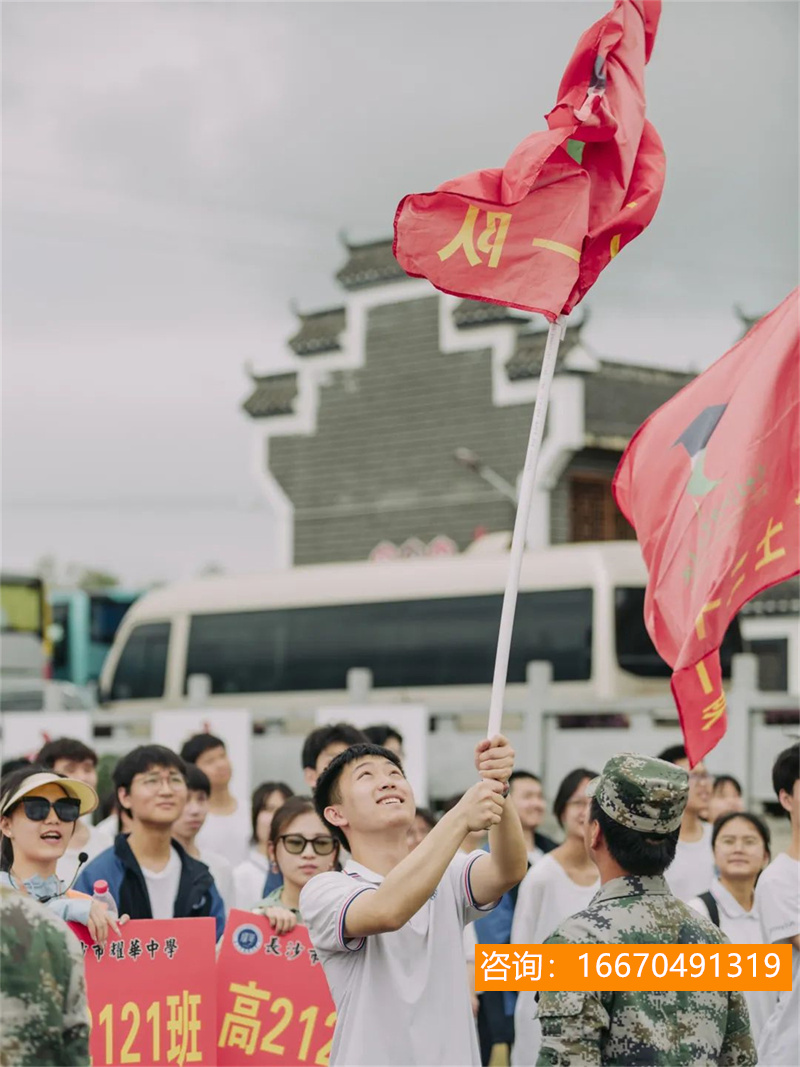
(22, 605)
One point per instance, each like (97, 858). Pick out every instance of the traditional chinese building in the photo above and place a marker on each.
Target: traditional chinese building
(358, 445)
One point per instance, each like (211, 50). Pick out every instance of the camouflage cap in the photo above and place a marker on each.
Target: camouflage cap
(641, 792)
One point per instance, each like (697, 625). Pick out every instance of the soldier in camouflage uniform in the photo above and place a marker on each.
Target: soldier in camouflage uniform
(632, 833)
(43, 1016)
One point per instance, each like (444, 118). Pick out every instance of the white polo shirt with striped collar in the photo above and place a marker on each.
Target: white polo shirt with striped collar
(401, 997)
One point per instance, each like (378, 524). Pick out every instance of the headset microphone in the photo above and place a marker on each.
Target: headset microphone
(83, 857)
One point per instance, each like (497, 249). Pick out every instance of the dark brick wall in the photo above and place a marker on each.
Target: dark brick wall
(381, 465)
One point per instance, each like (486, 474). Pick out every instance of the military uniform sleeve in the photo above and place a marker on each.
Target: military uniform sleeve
(738, 1048)
(76, 1016)
(572, 1028)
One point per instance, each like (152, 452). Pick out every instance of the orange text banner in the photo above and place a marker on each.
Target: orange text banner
(623, 967)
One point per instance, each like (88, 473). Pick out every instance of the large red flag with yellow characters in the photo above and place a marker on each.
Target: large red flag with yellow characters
(536, 233)
(711, 484)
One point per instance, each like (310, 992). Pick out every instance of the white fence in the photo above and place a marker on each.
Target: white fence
(545, 734)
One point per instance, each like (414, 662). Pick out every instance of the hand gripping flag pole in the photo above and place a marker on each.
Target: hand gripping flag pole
(555, 335)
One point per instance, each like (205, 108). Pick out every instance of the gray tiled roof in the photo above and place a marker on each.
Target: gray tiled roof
(526, 361)
(319, 332)
(481, 313)
(620, 396)
(780, 599)
(274, 394)
(370, 264)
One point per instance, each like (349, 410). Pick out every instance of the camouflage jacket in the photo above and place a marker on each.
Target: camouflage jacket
(647, 1028)
(43, 1016)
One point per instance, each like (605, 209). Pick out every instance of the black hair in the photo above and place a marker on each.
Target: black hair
(197, 780)
(786, 771)
(139, 761)
(567, 788)
(450, 802)
(428, 816)
(379, 735)
(13, 765)
(327, 790)
(727, 779)
(318, 740)
(637, 853)
(286, 814)
(197, 745)
(67, 748)
(261, 795)
(755, 820)
(673, 754)
(10, 784)
(518, 776)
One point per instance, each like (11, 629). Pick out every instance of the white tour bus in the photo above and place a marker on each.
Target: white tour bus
(283, 642)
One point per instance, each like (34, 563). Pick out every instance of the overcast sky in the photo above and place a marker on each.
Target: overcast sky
(175, 174)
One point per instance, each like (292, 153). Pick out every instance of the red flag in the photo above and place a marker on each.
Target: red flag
(536, 233)
(711, 483)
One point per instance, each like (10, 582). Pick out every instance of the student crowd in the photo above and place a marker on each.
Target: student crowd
(176, 843)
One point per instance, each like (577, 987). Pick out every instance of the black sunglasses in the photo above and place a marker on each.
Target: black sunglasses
(296, 843)
(38, 808)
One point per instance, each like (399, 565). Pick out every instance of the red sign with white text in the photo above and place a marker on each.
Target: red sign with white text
(152, 994)
(274, 1002)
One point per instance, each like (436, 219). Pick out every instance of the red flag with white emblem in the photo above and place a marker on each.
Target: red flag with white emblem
(711, 484)
(536, 233)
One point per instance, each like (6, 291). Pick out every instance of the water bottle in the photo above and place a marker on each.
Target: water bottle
(102, 895)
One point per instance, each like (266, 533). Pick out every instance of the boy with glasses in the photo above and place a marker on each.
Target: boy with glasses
(149, 874)
(691, 872)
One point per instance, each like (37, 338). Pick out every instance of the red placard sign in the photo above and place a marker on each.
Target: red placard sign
(274, 1002)
(152, 994)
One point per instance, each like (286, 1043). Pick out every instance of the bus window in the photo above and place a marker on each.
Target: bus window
(21, 605)
(61, 645)
(105, 615)
(636, 653)
(141, 670)
(448, 641)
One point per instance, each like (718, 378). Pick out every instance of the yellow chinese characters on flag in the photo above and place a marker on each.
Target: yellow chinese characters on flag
(711, 484)
(274, 1003)
(536, 233)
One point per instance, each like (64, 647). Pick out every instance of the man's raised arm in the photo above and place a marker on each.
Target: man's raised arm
(506, 863)
(408, 885)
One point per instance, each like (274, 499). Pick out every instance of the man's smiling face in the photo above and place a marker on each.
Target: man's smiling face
(373, 795)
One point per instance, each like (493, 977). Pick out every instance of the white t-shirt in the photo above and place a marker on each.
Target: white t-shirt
(249, 879)
(98, 842)
(227, 835)
(547, 896)
(401, 997)
(778, 898)
(692, 871)
(162, 887)
(222, 873)
(742, 928)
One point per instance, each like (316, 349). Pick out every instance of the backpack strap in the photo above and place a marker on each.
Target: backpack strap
(711, 906)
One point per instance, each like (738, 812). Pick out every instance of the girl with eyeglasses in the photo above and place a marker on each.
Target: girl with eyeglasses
(300, 845)
(38, 812)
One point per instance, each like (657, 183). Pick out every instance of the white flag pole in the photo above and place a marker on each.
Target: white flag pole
(554, 336)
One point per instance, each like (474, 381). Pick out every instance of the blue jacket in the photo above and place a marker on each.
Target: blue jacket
(197, 893)
(495, 927)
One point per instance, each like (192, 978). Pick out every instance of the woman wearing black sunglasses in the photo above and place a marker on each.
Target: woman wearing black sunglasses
(300, 845)
(38, 813)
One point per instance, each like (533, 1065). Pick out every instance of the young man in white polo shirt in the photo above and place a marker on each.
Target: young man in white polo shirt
(389, 928)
